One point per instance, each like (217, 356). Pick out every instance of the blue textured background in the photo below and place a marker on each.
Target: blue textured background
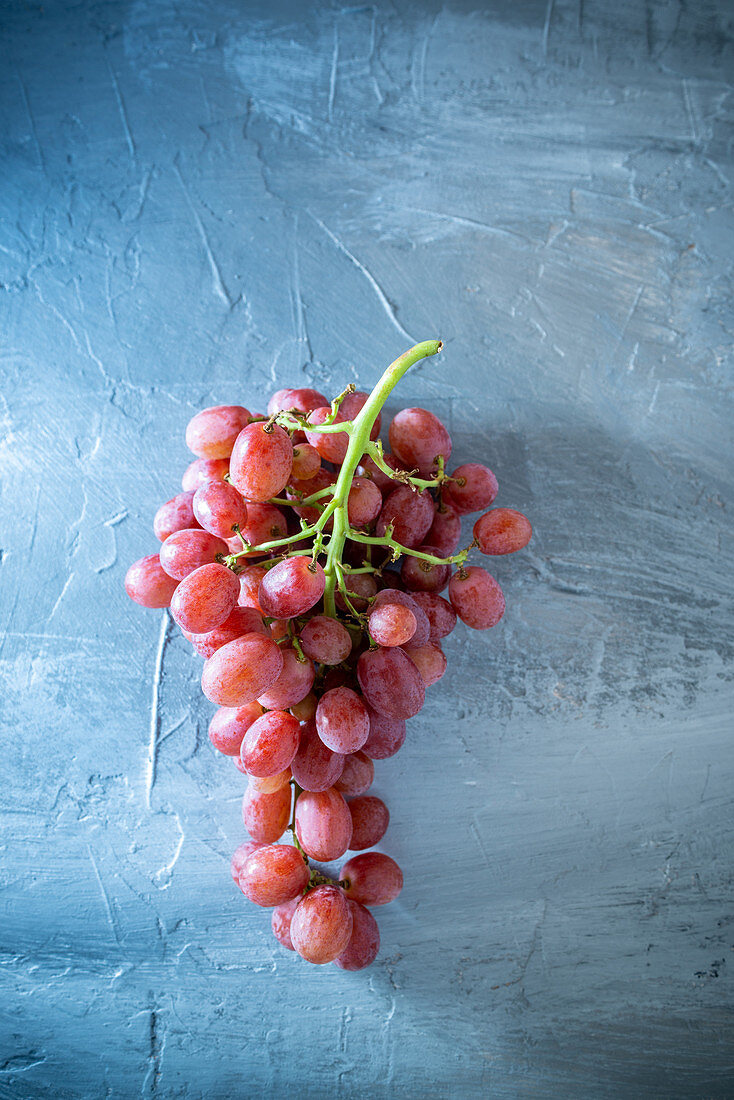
(202, 201)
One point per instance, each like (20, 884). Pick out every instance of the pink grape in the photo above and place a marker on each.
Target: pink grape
(502, 531)
(240, 857)
(274, 874)
(241, 670)
(352, 406)
(392, 624)
(326, 640)
(321, 926)
(270, 783)
(293, 684)
(218, 507)
(314, 767)
(323, 824)
(475, 488)
(270, 743)
(476, 597)
(370, 819)
(363, 588)
(241, 620)
(445, 532)
(364, 943)
(441, 615)
(205, 598)
(291, 587)
(230, 724)
(250, 578)
(421, 576)
(430, 662)
(407, 599)
(175, 515)
(418, 437)
(390, 682)
(212, 432)
(261, 461)
(266, 816)
(306, 462)
(187, 550)
(364, 502)
(331, 445)
(203, 470)
(148, 584)
(265, 523)
(280, 922)
(306, 709)
(374, 878)
(299, 400)
(410, 513)
(342, 720)
(387, 735)
(357, 774)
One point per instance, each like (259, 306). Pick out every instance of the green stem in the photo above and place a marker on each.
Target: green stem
(361, 427)
(388, 540)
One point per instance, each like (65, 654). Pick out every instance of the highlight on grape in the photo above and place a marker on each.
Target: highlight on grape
(305, 564)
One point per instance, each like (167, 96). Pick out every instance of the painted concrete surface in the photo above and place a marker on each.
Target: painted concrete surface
(201, 202)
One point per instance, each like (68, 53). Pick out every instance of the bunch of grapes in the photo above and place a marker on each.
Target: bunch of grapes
(305, 564)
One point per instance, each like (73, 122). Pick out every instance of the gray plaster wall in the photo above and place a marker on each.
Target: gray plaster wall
(201, 202)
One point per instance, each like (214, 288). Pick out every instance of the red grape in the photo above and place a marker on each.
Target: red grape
(148, 584)
(342, 720)
(421, 576)
(293, 684)
(384, 483)
(410, 513)
(321, 926)
(205, 598)
(306, 709)
(475, 488)
(364, 942)
(274, 874)
(387, 735)
(362, 587)
(476, 597)
(241, 670)
(352, 406)
(390, 682)
(357, 774)
(407, 599)
(280, 922)
(326, 640)
(370, 819)
(306, 462)
(331, 445)
(430, 662)
(299, 400)
(323, 824)
(266, 815)
(250, 578)
(212, 432)
(270, 743)
(314, 767)
(175, 515)
(241, 620)
(418, 437)
(374, 878)
(230, 724)
(291, 587)
(203, 470)
(364, 502)
(502, 531)
(270, 783)
(441, 615)
(187, 550)
(301, 490)
(445, 532)
(265, 523)
(391, 624)
(240, 857)
(218, 507)
(261, 461)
